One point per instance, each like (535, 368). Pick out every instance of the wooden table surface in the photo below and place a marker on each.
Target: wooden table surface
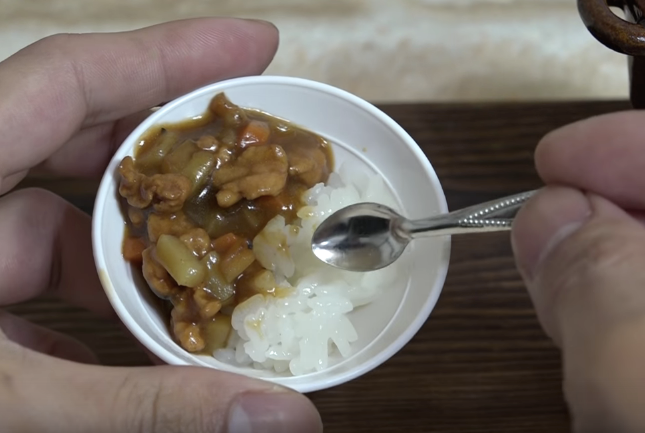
(481, 363)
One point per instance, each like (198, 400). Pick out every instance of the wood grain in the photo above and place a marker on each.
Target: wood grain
(481, 363)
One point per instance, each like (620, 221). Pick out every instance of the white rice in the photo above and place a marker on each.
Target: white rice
(297, 331)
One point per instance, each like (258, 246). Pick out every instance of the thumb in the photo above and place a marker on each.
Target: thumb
(583, 260)
(50, 395)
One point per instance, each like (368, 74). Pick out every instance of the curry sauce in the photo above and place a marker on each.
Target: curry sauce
(195, 195)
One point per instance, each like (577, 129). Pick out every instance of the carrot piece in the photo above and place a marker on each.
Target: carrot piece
(255, 133)
(133, 249)
(224, 242)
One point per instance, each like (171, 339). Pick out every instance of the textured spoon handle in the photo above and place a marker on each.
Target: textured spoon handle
(495, 215)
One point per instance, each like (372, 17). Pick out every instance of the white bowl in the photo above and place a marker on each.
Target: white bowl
(360, 135)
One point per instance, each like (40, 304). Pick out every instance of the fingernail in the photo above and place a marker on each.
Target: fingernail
(548, 218)
(273, 412)
(263, 22)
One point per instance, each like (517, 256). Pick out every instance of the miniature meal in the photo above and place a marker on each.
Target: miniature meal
(220, 211)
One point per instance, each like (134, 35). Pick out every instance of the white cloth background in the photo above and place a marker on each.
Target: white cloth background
(383, 50)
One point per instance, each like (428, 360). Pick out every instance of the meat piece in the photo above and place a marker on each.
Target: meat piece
(173, 224)
(223, 155)
(156, 275)
(259, 171)
(198, 241)
(136, 216)
(208, 305)
(130, 186)
(308, 165)
(232, 115)
(166, 192)
(186, 331)
(189, 336)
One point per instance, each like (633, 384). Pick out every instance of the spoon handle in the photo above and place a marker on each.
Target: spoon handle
(495, 215)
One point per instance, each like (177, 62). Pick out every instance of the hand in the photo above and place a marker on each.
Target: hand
(580, 246)
(66, 103)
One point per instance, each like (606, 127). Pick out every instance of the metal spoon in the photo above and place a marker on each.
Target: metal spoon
(369, 236)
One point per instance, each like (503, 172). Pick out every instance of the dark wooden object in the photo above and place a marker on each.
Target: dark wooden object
(481, 363)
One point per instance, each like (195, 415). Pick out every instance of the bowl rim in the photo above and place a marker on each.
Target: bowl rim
(315, 385)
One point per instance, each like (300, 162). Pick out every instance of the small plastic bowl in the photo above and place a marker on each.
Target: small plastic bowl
(361, 135)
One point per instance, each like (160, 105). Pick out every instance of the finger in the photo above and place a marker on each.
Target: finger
(11, 181)
(582, 259)
(44, 340)
(46, 245)
(604, 155)
(76, 81)
(99, 142)
(152, 399)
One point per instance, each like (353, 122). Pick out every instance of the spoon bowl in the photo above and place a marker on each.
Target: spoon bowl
(361, 237)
